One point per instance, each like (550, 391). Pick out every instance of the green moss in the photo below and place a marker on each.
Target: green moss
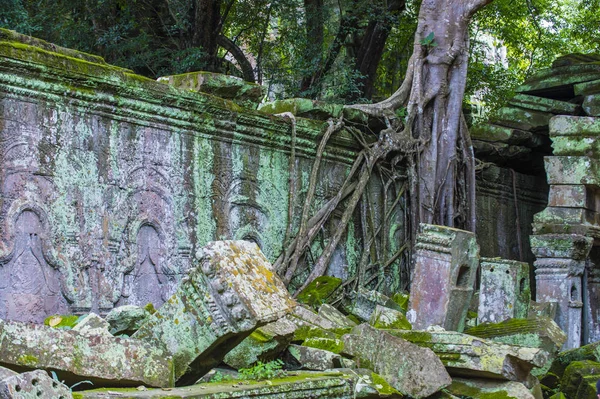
(62, 321)
(27, 360)
(402, 300)
(317, 292)
(382, 386)
(331, 345)
(305, 332)
(150, 308)
(415, 337)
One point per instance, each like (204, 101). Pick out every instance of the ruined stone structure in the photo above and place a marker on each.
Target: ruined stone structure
(110, 182)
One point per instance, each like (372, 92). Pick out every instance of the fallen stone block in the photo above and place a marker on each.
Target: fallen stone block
(307, 358)
(574, 382)
(522, 119)
(217, 305)
(335, 316)
(559, 80)
(539, 332)
(127, 319)
(93, 325)
(563, 359)
(306, 331)
(446, 263)
(542, 309)
(410, 369)
(467, 356)
(478, 388)
(370, 384)
(264, 344)
(543, 104)
(386, 318)
(362, 303)
(504, 291)
(106, 361)
(245, 94)
(35, 384)
(304, 316)
(328, 344)
(300, 385)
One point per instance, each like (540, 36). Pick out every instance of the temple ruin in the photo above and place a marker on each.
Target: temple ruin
(118, 191)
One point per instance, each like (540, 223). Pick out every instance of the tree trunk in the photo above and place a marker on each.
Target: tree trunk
(205, 30)
(433, 93)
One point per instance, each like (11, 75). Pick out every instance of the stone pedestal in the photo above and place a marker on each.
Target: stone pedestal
(446, 262)
(504, 292)
(559, 267)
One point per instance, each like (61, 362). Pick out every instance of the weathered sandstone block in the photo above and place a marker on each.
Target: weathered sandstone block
(35, 384)
(218, 304)
(446, 262)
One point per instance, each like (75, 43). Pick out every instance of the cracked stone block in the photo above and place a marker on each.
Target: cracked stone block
(467, 356)
(264, 344)
(410, 369)
(308, 358)
(126, 319)
(35, 384)
(335, 316)
(537, 332)
(446, 262)
(362, 303)
(218, 304)
(104, 360)
(577, 377)
(504, 291)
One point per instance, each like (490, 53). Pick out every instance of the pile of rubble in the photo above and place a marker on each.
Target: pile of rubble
(231, 317)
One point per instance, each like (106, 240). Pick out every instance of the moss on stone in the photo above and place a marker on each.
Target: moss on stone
(317, 292)
(382, 386)
(331, 345)
(305, 332)
(62, 321)
(401, 299)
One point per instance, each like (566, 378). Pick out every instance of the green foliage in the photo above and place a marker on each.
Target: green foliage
(220, 377)
(429, 40)
(263, 371)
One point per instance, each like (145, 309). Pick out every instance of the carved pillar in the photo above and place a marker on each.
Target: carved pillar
(446, 262)
(559, 270)
(567, 228)
(504, 292)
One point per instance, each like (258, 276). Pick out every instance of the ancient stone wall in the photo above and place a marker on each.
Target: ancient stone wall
(110, 182)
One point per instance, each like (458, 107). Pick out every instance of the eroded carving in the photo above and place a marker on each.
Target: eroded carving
(30, 287)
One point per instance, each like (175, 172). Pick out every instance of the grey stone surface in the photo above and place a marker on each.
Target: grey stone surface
(304, 315)
(5, 373)
(93, 325)
(504, 291)
(308, 358)
(412, 370)
(219, 303)
(126, 319)
(264, 344)
(477, 388)
(335, 316)
(362, 303)
(35, 384)
(75, 357)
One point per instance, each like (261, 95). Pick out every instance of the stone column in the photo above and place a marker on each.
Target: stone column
(446, 262)
(504, 292)
(560, 265)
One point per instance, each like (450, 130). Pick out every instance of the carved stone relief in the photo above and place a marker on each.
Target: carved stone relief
(30, 288)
